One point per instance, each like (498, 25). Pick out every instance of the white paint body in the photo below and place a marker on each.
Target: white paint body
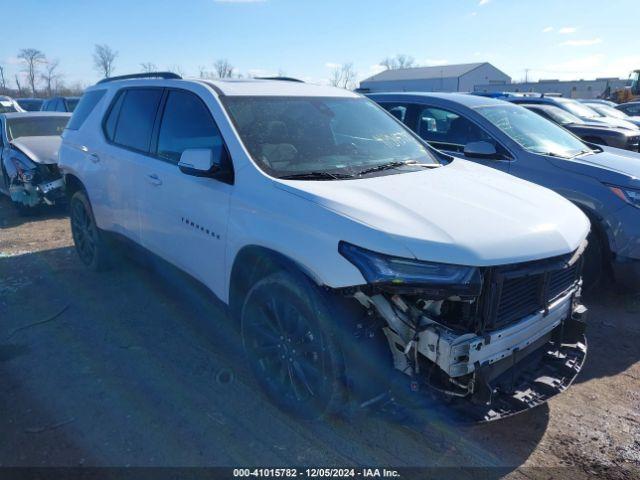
(461, 213)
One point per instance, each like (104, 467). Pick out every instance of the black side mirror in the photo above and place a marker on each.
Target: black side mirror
(480, 149)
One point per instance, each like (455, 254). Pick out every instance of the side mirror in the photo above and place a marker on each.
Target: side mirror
(480, 150)
(201, 162)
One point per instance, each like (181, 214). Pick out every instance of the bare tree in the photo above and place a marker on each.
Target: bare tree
(177, 69)
(343, 76)
(223, 68)
(18, 86)
(399, 61)
(104, 58)
(3, 83)
(32, 59)
(148, 67)
(51, 76)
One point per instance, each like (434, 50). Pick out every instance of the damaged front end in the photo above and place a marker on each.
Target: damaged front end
(31, 184)
(494, 340)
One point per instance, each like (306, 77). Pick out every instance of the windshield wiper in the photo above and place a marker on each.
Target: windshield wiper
(391, 165)
(315, 176)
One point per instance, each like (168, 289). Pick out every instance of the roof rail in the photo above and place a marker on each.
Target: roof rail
(283, 79)
(164, 75)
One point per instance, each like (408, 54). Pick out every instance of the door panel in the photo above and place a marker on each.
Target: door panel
(183, 218)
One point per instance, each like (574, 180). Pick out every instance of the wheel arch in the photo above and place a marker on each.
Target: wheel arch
(254, 262)
(599, 228)
(72, 184)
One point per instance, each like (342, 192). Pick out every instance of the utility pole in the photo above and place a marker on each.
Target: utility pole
(526, 75)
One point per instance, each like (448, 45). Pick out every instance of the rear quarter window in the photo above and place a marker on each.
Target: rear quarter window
(86, 105)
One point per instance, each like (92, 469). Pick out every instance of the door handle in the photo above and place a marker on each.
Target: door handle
(154, 180)
(94, 158)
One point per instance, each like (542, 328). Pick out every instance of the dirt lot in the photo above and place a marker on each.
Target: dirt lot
(122, 369)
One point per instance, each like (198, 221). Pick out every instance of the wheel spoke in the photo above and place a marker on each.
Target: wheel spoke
(293, 382)
(299, 372)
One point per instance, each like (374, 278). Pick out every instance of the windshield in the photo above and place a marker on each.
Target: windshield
(578, 108)
(35, 126)
(562, 116)
(608, 111)
(30, 105)
(72, 103)
(533, 132)
(296, 135)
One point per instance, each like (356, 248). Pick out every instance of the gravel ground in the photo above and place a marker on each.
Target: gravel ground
(130, 368)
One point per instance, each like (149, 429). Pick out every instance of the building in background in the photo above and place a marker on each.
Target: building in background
(445, 78)
(569, 89)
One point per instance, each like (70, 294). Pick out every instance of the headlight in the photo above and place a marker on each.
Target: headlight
(629, 195)
(406, 274)
(24, 170)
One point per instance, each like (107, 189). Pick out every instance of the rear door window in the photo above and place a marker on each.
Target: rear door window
(186, 123)
(134, 124)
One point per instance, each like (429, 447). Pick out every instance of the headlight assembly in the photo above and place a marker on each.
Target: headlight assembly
(629, 195)
(402, 274)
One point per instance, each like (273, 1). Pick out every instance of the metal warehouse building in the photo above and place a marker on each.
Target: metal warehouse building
(445, 78)
(570, 89)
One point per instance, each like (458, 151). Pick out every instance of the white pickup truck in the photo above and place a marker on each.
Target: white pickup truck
(346, 248)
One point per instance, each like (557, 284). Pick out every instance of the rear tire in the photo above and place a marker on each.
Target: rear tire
(90, 242)
(291, 346)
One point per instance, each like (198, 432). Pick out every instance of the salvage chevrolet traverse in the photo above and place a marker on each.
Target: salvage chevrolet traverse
(353, 256)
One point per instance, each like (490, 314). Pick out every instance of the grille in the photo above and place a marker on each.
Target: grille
(633, 143)
(519, 291)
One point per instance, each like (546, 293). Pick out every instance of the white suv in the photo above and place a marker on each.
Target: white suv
(345, 247)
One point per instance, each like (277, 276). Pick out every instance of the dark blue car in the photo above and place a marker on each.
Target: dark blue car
(603, 181)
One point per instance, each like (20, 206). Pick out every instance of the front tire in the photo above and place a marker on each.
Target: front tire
(291, 348)
(91, 246)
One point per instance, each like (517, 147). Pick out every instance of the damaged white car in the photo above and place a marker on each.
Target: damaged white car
(357, 260)
(29, 144)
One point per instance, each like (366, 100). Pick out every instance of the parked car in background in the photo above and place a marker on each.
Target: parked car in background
(578, 109)
(8, 105)
(631, 108)
(30, 104)
(604, 182)
(598, 100)
(590, 132)
(29, 145)
(608, 111)
(60, 104)
(342, 244)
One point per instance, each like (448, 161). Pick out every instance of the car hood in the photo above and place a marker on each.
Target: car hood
(461, 213)
(599, 127)
(39, 149)
(612, 165)
(616, 122)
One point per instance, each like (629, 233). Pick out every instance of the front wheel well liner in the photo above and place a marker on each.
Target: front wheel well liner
(600, 231)
(253, 263)
(72, 185)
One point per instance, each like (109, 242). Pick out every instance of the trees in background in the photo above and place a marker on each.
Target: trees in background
(399, 61)
(51, 77)
(32, 58)
(148, 67)
(344, 76)
(104, 58)
(223, 69)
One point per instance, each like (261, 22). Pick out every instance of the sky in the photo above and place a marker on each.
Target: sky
(568, 39)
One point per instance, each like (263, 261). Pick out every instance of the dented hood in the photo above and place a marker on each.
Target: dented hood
(461, 213)
(39, 149)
